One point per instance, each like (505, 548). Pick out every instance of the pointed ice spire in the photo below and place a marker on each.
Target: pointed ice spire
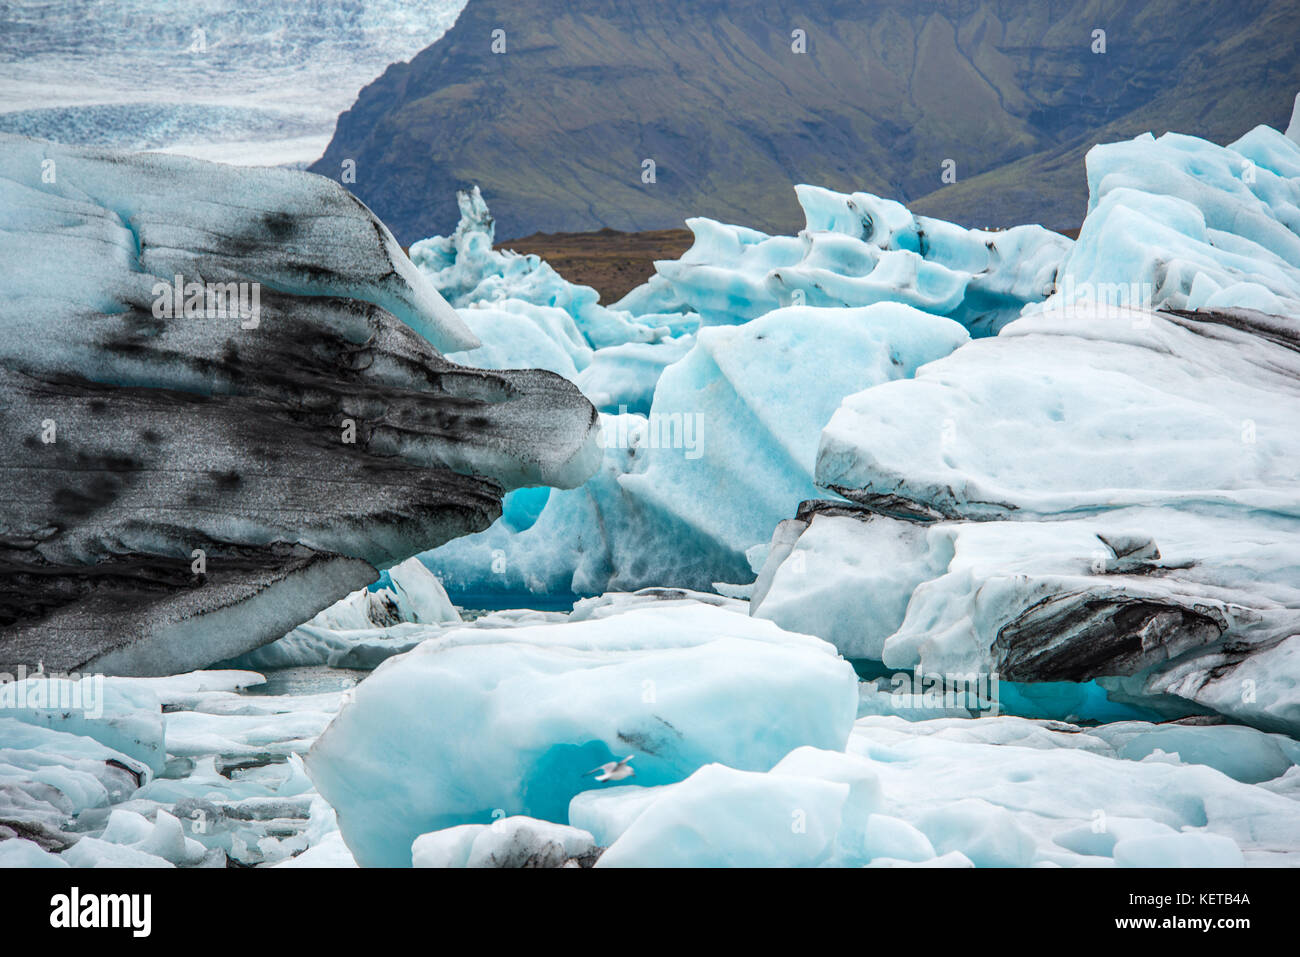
(1293, 131)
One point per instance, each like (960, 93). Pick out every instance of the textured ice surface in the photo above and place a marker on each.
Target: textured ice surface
(91, 228)
(720, 817)
(994, 791)
(855, 250)
(1081, 411)
(48, 776)
(293, 448)
(481, 720)
(1181, 223)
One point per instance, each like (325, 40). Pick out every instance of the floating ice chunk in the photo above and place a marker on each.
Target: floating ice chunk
(126, 718)
(195, 734)
(47, 777)
(93, 852)
(450, 847)
(857, 250)
(365, 627)
(1048, 601)
(1060, 413)
(126, 827)
(486, 719)
(188, 689)
(999, 801)
(515, 841)
(679, 823)
(169, 842)
(18, 852)
(1167, 431)
(163, 837)
(606, 813)
(408, 592)
(1178, 850)
(721, 817)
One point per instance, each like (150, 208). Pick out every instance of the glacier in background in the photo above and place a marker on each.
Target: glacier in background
(249, 85)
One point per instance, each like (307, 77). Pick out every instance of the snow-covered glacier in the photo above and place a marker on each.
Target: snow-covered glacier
(249, 84)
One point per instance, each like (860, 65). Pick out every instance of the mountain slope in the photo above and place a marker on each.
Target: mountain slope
(556, 129)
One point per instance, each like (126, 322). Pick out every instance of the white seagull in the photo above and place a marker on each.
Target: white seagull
(613, 770)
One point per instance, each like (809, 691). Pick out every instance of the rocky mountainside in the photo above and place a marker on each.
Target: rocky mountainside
(556, 129)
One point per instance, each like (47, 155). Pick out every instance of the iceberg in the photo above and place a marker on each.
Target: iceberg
(727, 451)
(366, 626)
(709, 432)
(224, 407)
(1102, 495)
(1146, 537)
(477, 723)
(527, 316)
(1177, 222)
(857, 250)
(468, 271)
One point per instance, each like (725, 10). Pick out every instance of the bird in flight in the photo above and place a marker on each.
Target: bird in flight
(613, 770)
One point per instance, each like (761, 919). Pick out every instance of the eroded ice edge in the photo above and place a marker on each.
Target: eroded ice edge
(918, 449)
